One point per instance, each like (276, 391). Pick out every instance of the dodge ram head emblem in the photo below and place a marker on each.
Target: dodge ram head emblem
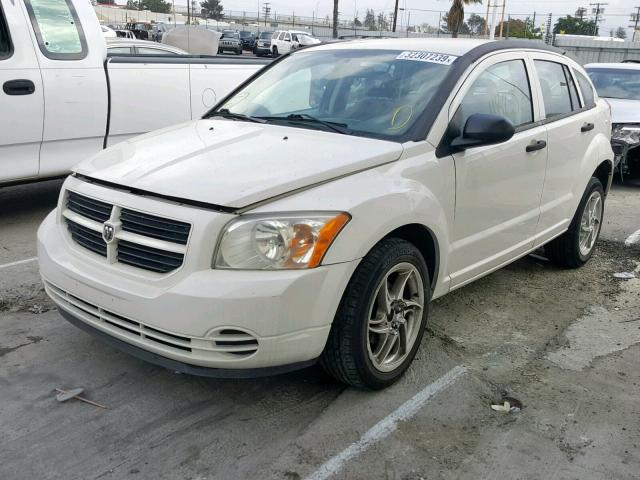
(108, 232)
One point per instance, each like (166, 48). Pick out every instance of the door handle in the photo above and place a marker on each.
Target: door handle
(19, 87)
(586, 127)
(536, 145)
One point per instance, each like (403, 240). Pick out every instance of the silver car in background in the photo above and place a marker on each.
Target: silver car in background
(619, 84)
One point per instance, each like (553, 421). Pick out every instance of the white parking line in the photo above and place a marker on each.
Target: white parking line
(387, 425)
(19, 262)
(632, 239)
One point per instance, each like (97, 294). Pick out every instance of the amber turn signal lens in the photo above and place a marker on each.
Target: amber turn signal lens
(327, 235)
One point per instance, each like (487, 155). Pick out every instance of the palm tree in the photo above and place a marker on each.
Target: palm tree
(335, 18)
(455, 19)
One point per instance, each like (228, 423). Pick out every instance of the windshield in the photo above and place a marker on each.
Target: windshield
(616, 82)
(230, 35)
(375, 93)
(265, 35)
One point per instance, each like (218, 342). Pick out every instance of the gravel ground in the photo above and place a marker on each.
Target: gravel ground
(565, 343)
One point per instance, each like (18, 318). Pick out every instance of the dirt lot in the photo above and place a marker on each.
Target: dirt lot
(563, 342)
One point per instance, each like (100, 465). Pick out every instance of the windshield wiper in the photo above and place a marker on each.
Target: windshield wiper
(303, 117)
(226, 113)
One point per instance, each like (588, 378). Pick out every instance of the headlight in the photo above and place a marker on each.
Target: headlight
(280, 241)
(628, 133)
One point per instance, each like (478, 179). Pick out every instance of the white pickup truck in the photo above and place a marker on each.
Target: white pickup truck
(63, 99)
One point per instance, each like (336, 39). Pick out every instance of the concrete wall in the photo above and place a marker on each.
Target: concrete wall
(587, 50)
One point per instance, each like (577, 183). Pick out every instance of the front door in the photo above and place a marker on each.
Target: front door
(498, 187)
(21, 98)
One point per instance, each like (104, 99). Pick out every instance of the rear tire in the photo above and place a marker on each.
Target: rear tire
(387, 300)
(575, 247)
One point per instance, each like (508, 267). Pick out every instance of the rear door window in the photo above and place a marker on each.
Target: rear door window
(57, 28)
(153, 51)
(555, 88)
(6, 48)
(573, 90)
(118, 50)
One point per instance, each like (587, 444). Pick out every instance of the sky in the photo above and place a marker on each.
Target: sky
(617, 12)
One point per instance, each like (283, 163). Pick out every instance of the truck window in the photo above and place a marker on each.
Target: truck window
(5, 41)
(57, 28)
(587, 91)
(573, 90)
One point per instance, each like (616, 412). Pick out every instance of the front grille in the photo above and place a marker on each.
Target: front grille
(140, 241)
(224, 343)
(89, 239)
(88, 207)
(148, 258)
(155, 227)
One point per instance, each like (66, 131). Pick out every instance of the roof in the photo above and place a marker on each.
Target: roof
(618, 66)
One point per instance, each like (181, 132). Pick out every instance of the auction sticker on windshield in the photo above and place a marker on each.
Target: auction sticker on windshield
(430, 57)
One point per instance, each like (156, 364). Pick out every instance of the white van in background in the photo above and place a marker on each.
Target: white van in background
(283, 41)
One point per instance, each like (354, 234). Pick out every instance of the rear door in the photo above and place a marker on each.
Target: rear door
(498, 187)
(569, 126)
(21, 98)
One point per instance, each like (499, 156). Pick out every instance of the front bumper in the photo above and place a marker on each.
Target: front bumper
(199, 317)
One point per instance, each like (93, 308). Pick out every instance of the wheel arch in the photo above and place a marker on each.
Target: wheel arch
(425, 240)
(604, 173)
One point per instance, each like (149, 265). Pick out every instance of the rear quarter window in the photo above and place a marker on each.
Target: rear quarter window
(57, 28)
(586, 89)
(6, 49)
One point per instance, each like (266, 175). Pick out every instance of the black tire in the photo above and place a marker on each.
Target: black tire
(346, 356)
(275, 51)
(564, 250)
(239, 51)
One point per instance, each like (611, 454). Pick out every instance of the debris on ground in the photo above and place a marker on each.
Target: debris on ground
(508, 405)
(64, 395)
(625, 275)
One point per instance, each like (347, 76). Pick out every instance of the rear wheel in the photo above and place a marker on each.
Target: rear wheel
(575, 247)
(381, 319)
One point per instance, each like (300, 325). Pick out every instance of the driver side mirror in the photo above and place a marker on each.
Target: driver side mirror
(482, 129)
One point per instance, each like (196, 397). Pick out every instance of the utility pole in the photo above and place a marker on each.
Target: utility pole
(486, 19)
(580, 13)
(266, 10)
(504, 3)
(395, 16)
(595, 23)
(635, 17)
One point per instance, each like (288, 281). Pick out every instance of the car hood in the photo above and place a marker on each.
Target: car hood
(232, 163)
(624, 111)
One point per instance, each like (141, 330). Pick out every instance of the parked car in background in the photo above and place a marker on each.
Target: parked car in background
(119, 46)
(63, 99)
(108, 32)
(263, 44)
(125, 34)
(230, 42)
(619, 84)
(304, 39)
(141, 30)
(315, 212)
(248, 40)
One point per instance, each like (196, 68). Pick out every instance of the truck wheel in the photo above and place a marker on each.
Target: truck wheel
(381, 318)
(275, 51)
(575, 247)
(239, 51)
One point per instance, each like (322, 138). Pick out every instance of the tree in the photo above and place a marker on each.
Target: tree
(455, 17)
(462, 29)
(519, 28)
(382, 22)
(574, 26)
(335, 18)
(106, 2)
(476, 24)
(621, 33)
(212, 9)
(370, 20)
(357, 22)
(159, 6)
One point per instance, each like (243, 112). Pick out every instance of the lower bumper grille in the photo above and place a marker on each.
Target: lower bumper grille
(224, 343)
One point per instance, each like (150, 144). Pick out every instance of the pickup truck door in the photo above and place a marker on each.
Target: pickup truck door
(498, 187)
(70, 52)
(21, 98)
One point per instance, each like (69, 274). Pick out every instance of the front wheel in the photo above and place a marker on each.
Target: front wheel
(381, 318)
(575, 247)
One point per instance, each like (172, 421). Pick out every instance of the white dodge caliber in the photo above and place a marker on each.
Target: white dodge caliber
(314, 213)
